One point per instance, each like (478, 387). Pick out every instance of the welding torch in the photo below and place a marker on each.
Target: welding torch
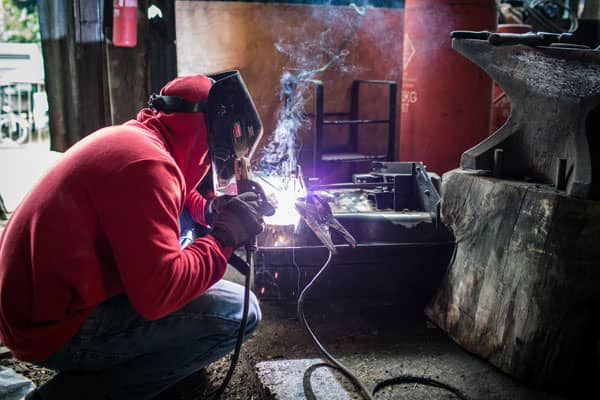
(244, 185)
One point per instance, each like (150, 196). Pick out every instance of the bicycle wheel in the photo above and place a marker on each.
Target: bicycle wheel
(13, 130)
(4, 129)
(20, 132)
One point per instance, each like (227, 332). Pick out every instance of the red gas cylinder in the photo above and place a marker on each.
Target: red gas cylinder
(446, 99)
(125, 23)
(500, 103)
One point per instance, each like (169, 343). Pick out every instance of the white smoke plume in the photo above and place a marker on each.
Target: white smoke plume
(310, 58)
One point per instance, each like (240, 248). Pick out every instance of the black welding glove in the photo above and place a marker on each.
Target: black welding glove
(238, 220)
(213, 207)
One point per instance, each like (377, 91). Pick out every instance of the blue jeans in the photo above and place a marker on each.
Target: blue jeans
(117, 354)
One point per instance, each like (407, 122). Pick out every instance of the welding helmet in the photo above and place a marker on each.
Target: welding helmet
(234, 126)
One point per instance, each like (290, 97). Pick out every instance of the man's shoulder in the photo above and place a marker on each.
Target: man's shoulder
(120, 145)
(132, 138)
(123, 158)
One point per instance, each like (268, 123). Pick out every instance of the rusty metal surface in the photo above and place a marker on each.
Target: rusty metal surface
(555, 97)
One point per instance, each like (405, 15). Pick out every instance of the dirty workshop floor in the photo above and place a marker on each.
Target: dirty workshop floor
(375, 343)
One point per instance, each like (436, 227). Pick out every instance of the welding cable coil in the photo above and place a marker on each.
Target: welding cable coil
(337, 365)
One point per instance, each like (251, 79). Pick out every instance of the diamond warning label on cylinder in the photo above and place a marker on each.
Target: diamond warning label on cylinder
(409, 87)
(408, 52)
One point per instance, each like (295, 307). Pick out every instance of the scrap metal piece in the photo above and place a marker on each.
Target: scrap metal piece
(317, 214)
(555, 112)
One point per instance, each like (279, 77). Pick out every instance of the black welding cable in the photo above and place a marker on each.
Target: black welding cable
(338, 365)
(335, 364)
(298, 271)
(422, 380)
(216, 394)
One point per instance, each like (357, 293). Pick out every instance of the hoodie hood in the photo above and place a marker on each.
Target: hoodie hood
(185, 134)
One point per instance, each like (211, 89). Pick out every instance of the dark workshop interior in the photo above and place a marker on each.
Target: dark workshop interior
(437, 226)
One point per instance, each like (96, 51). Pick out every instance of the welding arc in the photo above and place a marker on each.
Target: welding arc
(337, 365)
(216, 394)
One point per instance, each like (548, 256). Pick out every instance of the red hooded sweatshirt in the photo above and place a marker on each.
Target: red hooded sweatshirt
(104, 221)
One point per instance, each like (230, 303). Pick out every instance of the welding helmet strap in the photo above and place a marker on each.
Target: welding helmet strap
(170, 104)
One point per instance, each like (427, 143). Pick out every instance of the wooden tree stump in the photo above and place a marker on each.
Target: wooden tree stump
(523, 290)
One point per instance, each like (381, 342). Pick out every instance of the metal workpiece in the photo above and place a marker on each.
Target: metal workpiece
(396, 202)
(555, 97)
(387, 237)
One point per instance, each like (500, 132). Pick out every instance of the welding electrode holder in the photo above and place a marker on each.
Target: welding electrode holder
(244, 185)
(265, 208)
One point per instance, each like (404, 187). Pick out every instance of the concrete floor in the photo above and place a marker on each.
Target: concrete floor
(376, 343)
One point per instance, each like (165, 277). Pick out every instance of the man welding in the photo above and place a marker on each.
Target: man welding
(93, 280)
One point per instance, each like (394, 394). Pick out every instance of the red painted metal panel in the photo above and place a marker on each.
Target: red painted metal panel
(446, 99)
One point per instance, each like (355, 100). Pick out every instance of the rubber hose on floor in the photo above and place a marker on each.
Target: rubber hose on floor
(335, 364)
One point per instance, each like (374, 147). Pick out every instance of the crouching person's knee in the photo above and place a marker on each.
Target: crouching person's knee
(220, 309)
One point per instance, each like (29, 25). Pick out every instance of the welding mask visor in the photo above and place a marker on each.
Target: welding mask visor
(234, 126)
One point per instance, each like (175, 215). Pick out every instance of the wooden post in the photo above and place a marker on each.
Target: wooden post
(162, 51)
(72, 47)
(128, 72)
(91, 83)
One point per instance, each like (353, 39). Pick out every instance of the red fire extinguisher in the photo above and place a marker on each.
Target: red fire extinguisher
(125, 23)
